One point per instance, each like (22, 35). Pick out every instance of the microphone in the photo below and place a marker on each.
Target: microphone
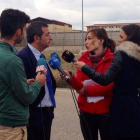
(54, 54)
(41, 66)
(55, 64)
(68, 56)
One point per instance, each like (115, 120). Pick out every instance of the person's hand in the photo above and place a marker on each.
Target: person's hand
(68, 73)
(79, 64)
(83, 90)
(30, 81)
(41, 78)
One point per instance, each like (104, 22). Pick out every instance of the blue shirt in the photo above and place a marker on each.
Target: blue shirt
(46, 101)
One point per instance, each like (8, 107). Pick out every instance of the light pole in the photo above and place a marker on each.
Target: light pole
(82, 29)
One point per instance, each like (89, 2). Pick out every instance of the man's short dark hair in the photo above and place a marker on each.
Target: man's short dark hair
(11, 20)
(35, 28)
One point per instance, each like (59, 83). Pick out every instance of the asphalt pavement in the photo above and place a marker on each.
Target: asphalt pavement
(66, 123)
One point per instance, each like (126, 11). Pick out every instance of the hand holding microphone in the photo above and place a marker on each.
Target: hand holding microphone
(41, 66)
(68, 73)
(69, 57)
(55, 64)
(63, 74)
(41, 71)
(30, 81)
(79, 64)
(41, 78)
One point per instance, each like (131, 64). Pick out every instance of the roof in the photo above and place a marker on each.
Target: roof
(61, 22)
(50, 20)
(111, 24)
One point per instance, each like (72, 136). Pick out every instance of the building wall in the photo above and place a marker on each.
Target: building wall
(107, 28)
(58, 28)
(67, 39)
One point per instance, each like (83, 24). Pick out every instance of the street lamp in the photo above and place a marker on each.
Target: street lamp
(82, 29)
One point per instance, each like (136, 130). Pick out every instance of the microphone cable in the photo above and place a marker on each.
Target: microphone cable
(74, 99)
(76, 106)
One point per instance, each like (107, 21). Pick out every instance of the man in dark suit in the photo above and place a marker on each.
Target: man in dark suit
(41, 111)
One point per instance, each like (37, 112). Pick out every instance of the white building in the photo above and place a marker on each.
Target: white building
(109, 27)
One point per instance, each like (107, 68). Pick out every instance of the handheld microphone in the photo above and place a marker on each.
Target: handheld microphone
(68, 56)
(55, 64)
(41, 66)
(54, 54)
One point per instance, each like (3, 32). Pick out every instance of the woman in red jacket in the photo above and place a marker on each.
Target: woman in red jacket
(94, 100)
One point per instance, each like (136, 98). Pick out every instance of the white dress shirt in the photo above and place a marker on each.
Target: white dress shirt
(46, 101)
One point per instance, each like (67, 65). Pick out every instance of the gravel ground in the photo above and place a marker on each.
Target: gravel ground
(66, 124)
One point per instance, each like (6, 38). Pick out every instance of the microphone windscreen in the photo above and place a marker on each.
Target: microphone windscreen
(54, 63)
(68, 56)
(41, 61)
(54, 54)
(41, 69)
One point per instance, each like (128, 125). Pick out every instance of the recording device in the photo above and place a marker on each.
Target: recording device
(41, 66)
(55, 64)
(68, 56)
(54, 54)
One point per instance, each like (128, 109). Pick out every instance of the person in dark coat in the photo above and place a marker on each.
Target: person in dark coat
(42, 109)
(125, 72)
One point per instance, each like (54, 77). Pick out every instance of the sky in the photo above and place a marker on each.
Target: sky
(70, 11)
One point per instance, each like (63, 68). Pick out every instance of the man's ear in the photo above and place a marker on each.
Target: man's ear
(18, 32)
(36, 38)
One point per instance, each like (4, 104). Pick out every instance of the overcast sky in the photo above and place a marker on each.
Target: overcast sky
(70, 11)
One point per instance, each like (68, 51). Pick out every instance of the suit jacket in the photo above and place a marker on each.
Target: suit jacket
(30, 64)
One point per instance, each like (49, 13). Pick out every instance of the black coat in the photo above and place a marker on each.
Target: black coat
(125, 106)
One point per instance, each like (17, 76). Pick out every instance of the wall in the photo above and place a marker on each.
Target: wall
(67, 39)
(71, 38)
(58, 28)
(75, 38)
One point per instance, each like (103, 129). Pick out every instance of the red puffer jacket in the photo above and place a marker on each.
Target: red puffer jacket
(101, 106)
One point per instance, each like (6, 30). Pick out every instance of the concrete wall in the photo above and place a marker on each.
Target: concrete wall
(71, 38)
(75, 38)
(67, 39)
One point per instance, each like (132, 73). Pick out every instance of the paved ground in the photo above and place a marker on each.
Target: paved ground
(66, 125)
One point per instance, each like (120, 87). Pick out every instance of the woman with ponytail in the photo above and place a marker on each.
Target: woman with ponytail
(94, 100)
